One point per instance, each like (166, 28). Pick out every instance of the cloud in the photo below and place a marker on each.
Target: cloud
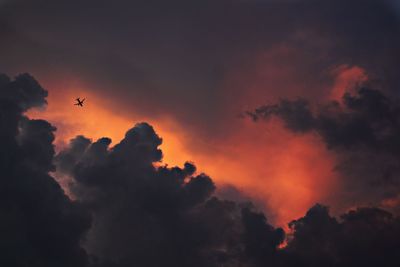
(130, 211)
(362, 130)
(137, 209)
(40, 225)
(368, 118)
(140, 210)
(363, 237)
(160, 62)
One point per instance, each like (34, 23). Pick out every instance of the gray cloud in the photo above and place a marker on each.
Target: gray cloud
(40, 225)
(140, 211)
(363, 131)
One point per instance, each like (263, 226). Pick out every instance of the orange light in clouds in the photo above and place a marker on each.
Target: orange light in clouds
(347, 80)
(288, 172)
(95, 120)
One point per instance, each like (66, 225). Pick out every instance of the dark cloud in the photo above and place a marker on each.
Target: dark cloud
(40, 226)
(140, 210)
(173, 58)
(367, 119)
(130, 212)
(363, 237)
(233, 193)
(296, 114)
(363, 130)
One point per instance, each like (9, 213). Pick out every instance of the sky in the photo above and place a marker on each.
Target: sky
(290, 105)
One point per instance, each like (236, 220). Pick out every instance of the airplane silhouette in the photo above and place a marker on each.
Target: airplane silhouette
(80, 102)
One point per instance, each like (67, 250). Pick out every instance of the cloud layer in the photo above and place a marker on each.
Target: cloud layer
(130, 211)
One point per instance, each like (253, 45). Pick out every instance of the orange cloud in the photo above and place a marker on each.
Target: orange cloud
(289, 173)
(347, 80)
(97, 119)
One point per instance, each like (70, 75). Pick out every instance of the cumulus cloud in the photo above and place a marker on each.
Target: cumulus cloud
(140, 210)
(40, 226)
(126, 211)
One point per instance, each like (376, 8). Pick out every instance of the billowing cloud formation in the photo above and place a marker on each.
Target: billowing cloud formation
(198, 62)
(40, 225)
(129, 211)
(140, 211)
(151, 216)
(364, 131)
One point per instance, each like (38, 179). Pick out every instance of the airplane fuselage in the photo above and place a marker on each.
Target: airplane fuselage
(79, 102)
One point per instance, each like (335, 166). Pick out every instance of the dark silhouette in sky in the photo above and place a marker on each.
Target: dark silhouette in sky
(40, 225)
(79, 102)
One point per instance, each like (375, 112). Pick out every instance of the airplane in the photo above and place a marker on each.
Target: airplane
(80, 102)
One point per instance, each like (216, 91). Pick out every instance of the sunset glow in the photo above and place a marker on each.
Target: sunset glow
(284, 172)
(211, 133)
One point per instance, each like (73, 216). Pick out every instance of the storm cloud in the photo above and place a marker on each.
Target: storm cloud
(362, 130)
(140, 210)
(130, 210)
(362, 237)
(193, 65)
(40, 225)
(126, 210)
(198, 63)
